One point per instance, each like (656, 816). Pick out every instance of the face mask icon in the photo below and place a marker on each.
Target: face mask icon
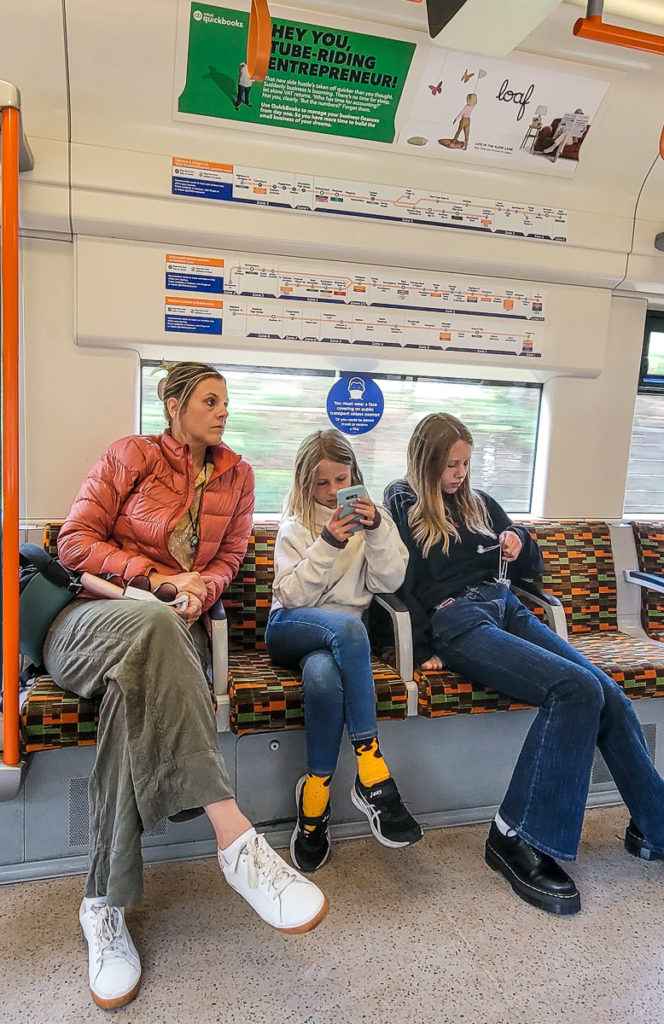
(356, 387)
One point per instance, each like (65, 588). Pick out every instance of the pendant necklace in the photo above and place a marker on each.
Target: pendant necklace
(194, 539)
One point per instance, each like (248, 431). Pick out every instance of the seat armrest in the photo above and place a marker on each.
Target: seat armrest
(403, 634)
(219, 642)
(645, 579)
(553, 609)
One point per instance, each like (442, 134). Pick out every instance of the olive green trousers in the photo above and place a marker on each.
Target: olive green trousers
(157, 747)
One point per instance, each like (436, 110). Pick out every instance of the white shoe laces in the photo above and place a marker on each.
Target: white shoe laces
(266, 865)
(109, 933)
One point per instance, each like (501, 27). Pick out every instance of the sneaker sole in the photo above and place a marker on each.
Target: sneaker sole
(308, 925)
(112, 1004)
(307, 871)
(562, 906)
(368, 812)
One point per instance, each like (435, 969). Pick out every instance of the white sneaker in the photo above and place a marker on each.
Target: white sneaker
(277, 892)
(113, 964)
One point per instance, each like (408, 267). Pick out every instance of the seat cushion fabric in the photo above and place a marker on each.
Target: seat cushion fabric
(264, 697)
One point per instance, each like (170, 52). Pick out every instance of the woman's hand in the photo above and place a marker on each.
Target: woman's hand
(433, 662)
(510, 545)
(192, 612)
(191, 583)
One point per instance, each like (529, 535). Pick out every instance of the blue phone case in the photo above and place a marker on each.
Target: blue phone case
(344, 498)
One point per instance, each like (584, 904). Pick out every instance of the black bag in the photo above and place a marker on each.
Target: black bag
(45, 588)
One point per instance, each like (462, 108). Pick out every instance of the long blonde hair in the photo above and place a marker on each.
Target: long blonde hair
(323, 444)
(428, 454)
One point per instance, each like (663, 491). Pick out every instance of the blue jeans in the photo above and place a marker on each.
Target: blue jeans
(491, 637)
(332, 649)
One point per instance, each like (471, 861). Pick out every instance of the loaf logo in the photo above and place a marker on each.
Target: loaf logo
(522, 99)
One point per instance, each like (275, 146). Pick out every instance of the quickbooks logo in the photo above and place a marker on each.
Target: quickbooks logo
(216, 19)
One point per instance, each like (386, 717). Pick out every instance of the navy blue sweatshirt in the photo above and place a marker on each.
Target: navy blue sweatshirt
(432, 579)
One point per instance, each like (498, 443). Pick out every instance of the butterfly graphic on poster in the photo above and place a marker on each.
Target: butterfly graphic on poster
(467, 75)
(436, 89)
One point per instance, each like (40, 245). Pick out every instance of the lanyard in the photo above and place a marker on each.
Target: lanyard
(502, 569)
(502, 563)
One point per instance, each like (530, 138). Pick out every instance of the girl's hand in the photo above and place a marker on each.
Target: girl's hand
(433, 662)
(191, 583)
(510, 545)
(341, 529)
(366, 509)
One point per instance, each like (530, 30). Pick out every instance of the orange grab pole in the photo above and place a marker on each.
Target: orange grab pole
(594, 28)
(9, 277)
(259, 44)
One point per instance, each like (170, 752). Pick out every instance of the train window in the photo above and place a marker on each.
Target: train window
(273, 409)
(644, 492)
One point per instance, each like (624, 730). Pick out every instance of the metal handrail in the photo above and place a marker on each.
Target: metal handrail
(592, 27)
(10, 152)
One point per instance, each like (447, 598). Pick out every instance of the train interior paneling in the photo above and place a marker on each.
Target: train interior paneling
(167, 219)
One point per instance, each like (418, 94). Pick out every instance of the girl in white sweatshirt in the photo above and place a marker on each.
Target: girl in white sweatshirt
(325, 577)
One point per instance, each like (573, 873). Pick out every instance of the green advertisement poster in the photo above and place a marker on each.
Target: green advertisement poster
(319, 80)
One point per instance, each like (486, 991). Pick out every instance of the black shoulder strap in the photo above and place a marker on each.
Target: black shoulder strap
(50, 568)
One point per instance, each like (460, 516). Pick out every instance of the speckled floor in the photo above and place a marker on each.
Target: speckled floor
(429, 934)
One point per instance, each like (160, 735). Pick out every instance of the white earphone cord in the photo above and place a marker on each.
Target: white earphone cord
(502, 569)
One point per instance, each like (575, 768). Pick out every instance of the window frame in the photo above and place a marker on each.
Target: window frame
(333, 373)
(650, 383)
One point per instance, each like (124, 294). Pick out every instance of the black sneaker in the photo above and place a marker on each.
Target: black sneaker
(309, 849)
(390, 822)
(637, 844)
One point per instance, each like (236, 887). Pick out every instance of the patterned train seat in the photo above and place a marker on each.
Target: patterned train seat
(262, 695)
(579, 571)
(649, 539)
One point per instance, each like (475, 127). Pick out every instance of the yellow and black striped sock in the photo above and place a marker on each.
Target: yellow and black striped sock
(315, 797)
(371, 767)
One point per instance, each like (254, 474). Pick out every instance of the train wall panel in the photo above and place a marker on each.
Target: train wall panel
(122, 114)
(122, 301)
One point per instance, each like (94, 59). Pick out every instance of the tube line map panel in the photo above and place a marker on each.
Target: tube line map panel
(251, 296)
(201, 179)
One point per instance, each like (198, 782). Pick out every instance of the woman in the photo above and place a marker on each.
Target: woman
(464, 615)
(326, 571)
(175, 508)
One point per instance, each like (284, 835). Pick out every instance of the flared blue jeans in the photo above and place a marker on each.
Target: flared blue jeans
(490, 636)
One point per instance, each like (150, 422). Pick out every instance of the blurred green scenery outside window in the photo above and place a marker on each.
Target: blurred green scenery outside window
(272, 410)
(656, 354)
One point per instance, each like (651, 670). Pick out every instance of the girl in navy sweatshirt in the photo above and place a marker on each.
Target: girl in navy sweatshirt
(464, 550)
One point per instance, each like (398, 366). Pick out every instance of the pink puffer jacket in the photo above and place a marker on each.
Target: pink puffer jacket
(134, 495)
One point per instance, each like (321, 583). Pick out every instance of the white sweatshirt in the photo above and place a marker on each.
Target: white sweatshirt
(311, 573)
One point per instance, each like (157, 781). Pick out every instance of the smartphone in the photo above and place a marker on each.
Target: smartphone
(345, 497)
